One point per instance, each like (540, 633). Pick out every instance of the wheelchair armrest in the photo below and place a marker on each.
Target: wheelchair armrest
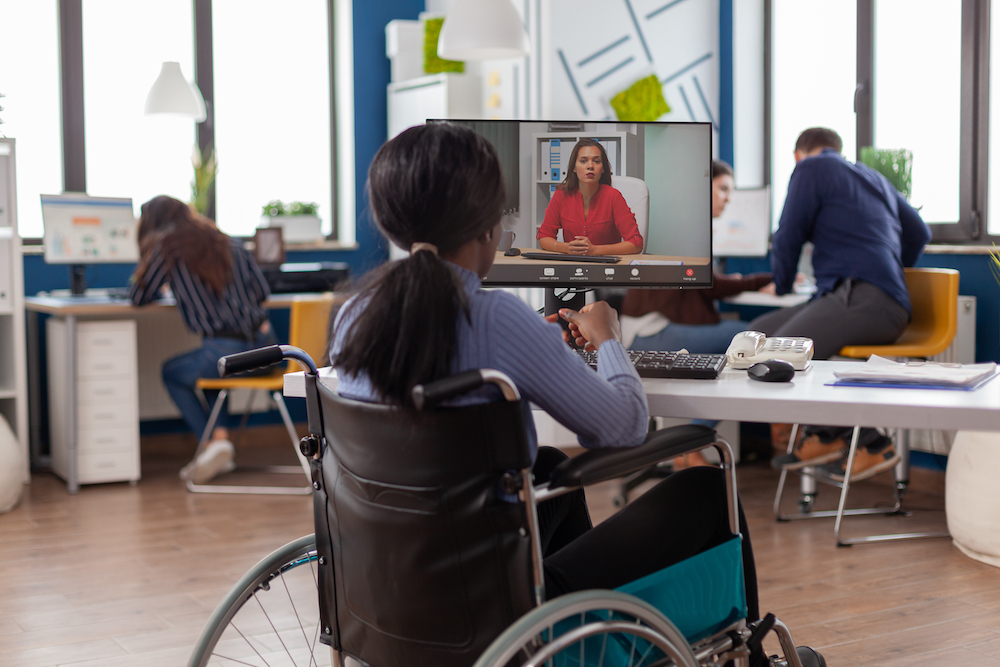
(599, 465)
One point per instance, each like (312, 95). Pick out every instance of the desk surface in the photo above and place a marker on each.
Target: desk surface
(806, 399)
(103, 305)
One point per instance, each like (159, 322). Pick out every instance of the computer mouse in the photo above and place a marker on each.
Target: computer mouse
(772, 370)
(511, 252)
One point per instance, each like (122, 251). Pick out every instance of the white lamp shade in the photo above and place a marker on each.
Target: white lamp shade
(482, 30)
(174, 95)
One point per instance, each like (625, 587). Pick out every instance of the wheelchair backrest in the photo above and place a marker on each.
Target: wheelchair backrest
(421, 561)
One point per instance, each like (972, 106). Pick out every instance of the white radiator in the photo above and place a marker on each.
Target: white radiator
(961, 351)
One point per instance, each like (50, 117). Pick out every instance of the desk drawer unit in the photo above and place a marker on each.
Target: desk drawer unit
(106, 401)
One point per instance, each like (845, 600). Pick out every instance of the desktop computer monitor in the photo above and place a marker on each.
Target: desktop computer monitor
(80, 229)
(744, 228)
(663, 172)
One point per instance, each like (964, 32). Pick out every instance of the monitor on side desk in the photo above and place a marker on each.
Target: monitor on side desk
(80, 230)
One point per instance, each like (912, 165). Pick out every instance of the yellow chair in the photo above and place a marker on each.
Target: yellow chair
(934, 300)
(934, 297)
(308, 330)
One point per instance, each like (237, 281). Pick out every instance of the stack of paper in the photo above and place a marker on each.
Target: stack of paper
(881, 371)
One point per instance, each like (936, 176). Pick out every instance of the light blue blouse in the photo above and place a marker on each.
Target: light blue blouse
(605, 409)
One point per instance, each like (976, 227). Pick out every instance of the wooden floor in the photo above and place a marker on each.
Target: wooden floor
(125, 575)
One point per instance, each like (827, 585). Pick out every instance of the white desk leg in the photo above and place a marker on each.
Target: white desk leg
(72, 479)
(34, 392)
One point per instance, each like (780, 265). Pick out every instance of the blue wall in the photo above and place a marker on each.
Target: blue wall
(371, 76)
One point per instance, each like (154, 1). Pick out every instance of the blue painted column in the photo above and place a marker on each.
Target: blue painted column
(726, 151)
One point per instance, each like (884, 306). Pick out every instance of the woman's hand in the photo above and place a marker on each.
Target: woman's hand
(769, 288)
(580, 245)
(592, 325)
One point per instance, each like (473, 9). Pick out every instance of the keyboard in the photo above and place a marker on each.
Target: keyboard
(675, 365)
(545, 256)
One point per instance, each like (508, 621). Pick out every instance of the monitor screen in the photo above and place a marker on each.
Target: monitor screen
(656, 213)
(80, 229)
(744, 228)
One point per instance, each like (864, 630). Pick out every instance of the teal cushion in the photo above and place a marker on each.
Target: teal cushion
(701, 595)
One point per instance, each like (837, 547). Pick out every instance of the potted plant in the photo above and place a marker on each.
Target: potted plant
(298, 220)
(205, 169)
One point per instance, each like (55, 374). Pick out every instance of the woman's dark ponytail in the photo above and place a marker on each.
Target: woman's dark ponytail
(436, 184)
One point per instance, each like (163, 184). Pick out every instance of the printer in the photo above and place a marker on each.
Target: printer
(306, 276)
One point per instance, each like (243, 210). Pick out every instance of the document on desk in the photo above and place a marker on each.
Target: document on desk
(881, 372)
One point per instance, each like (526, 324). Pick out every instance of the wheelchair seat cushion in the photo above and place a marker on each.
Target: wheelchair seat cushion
(701, 595)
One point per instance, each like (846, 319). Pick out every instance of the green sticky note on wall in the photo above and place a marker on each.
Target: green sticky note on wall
(433, 64)
(642, 101)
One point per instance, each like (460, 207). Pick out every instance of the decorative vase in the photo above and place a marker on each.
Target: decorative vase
(972, 497)
(11, 465)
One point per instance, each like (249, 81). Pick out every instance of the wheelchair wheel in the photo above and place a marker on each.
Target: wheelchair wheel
(270, 617)
(590, 629)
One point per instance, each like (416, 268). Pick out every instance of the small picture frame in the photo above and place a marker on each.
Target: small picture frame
(269, 246)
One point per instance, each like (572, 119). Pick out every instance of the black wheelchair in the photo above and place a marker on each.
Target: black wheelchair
(417, 561)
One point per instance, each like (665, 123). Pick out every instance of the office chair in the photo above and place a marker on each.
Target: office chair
(308, 330)
(417, 561)
(934, 299)
(636, 194)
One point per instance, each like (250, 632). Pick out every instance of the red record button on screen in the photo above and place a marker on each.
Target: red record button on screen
(690, 272)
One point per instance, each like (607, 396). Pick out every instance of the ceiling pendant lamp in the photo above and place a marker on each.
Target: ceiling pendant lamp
(174, 95)
(482, 30)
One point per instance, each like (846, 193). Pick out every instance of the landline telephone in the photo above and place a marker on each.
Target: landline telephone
(749, 347)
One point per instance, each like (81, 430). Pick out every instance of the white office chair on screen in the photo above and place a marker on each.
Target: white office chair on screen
(636, 194)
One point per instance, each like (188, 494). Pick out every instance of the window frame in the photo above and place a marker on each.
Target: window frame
(70, 16)
(970, 228)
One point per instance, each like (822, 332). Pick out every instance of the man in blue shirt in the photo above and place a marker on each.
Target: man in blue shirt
(863, 233)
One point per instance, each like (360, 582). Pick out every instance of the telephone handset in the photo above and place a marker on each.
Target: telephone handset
(749, 347)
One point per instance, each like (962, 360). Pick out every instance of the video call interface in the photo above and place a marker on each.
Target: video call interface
(646, 220)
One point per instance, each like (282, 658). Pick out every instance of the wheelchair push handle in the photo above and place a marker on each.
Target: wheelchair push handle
(263, 357)
(441, 390)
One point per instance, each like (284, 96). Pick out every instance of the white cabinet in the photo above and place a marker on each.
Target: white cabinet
(445, 95)
(13, 372)
(103, 419)
(550, 162)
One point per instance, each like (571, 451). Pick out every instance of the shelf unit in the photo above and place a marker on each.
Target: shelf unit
(13, 371)
(623, 154)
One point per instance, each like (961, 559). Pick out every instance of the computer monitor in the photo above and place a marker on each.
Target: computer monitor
(663, 172)
(80, 229)
(744, 228)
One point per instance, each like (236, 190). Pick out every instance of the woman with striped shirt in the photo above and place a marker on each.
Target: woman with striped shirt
(219, 291)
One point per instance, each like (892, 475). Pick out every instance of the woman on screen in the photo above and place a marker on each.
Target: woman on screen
(431, 311)
(593, 216)
(219, 291)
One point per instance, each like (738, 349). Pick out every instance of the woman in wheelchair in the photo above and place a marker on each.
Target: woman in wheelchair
(438, 190)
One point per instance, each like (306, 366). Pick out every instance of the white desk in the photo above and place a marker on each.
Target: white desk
(159, 327)
(807, 399)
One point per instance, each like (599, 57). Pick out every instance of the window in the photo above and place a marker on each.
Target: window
(918, 74)
(918, 96)
(813, 75)
(29, 78)
(272, 109)
(993, 192)
(124, 45)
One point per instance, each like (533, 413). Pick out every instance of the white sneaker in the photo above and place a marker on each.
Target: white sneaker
(217, 458)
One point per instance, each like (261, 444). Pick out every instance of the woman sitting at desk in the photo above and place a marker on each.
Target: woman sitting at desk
(219, 291)
(431, 312)
(593, 216)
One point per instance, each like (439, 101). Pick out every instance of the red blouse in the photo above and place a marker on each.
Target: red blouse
(609, 219)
